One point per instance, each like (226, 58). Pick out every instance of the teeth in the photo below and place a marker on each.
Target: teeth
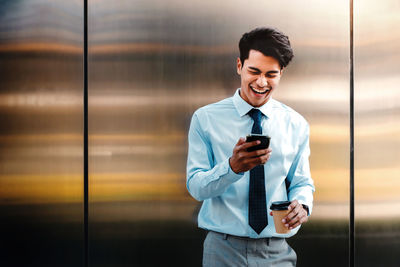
(257, 91)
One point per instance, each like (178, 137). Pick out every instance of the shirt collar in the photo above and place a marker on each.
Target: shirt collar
(243, 107)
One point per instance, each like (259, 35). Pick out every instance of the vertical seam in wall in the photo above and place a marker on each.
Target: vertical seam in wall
(351, 225)
(85, 135)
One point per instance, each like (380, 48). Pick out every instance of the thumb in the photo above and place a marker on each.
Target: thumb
(241, 140)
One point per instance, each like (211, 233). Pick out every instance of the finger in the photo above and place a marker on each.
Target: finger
(259, 156)
(252, 162)
(255, 161)
(291, 215)
(299, 220)
(260, 152)
(295, 220)
(301, 217)
(246, 145)
(241, 141)
(294, 226)
(257, 153)
(265, 158)
(292, 208)
(293, 204)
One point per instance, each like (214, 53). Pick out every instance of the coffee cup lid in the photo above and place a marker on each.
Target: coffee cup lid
(280, 205)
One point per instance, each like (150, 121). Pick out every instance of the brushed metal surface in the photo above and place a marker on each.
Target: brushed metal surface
(377, 133)
(41, 118)
(152, 63)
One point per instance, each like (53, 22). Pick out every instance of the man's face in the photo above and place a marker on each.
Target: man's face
(259, 76)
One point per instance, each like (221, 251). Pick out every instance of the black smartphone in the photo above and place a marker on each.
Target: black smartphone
(263, 138)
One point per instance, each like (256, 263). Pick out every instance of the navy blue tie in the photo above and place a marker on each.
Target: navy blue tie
(258, 218)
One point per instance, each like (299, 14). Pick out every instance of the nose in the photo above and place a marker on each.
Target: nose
(262, 81)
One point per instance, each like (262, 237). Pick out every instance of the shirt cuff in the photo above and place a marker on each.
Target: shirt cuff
(229, 173)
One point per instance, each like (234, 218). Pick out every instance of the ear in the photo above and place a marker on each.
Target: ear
(282, 70)
(238, 66)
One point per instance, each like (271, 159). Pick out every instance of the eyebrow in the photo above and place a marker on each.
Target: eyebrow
(268, 72)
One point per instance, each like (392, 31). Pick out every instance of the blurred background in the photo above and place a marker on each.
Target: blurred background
(151, 65)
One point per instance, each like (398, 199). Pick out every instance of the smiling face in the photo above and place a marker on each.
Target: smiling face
(260, 76)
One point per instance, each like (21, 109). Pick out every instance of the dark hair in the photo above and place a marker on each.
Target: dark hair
(269, 41)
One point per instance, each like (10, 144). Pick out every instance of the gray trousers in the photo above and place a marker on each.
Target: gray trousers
(227, 250)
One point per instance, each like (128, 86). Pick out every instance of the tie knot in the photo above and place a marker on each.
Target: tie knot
(255, 114)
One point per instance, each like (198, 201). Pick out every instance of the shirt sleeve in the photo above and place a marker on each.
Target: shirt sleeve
(205, 178)
(301, 185)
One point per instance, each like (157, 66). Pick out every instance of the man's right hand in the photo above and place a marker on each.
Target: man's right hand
(242, 160)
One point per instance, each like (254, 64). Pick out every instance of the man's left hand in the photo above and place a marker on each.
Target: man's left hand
(296, 216)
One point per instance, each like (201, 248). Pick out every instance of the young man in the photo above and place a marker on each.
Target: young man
(237, 187)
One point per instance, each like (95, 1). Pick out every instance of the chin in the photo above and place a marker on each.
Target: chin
(261, 99)
(255, 99)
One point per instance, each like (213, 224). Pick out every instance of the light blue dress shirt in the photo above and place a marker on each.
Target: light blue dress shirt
(214, 131)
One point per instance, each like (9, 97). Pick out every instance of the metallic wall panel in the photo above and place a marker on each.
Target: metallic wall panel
(377, 133)
(151, 64)
(41, 124)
